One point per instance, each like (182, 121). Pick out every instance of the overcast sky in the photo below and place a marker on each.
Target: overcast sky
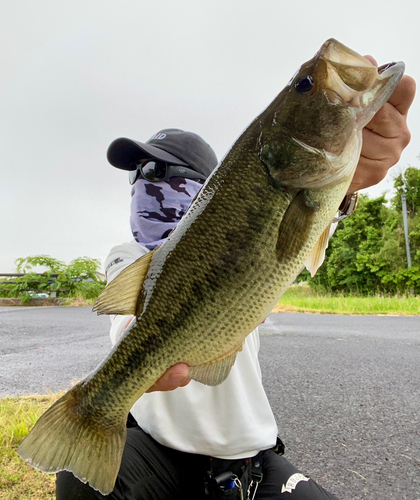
(75, 75)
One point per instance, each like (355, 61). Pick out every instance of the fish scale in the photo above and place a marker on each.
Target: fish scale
(265, 211)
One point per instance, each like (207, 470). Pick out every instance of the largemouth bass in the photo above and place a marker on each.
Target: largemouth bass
(263, 213)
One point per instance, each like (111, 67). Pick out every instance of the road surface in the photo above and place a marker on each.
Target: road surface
(345, 390)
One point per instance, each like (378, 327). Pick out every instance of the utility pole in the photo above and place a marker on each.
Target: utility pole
(407, 243)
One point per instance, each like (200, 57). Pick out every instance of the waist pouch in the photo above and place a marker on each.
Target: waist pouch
(236, 479)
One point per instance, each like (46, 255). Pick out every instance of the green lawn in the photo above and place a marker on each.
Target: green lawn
(304, 299)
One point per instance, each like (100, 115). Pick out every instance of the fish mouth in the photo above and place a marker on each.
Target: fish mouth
(352, 79)
(392, 70)
(385, 67)
(348, 74)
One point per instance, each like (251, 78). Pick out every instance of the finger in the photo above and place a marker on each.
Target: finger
(387, 122)
(175, 377)
(378, 155)
(403, 95)
(386, 135)
(385, 147)
(369, 173)
(372, 60)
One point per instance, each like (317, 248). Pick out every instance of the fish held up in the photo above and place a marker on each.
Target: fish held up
(264, 212)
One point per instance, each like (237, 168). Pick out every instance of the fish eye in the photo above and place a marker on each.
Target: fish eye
(304, 84)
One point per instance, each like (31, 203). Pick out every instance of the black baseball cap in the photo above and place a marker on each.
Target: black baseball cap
(170, 145)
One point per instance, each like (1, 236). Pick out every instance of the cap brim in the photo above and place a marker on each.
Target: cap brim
(125, 153)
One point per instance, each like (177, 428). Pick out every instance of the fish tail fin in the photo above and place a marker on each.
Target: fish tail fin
(67, 437)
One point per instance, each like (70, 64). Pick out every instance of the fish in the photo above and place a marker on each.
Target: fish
(264, 212)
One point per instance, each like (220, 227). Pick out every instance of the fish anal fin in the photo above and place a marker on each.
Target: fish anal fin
(295, 226)
(120, 295)
(215, 372)
(317, 255)
(68, 438)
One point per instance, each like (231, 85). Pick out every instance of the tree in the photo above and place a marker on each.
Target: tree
(367, 253)
(348, 265)
(408, 183)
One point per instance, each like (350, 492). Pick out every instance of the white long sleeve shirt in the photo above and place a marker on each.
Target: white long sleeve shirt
(232, 420)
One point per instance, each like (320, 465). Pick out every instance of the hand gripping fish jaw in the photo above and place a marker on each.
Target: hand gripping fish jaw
(311, 134)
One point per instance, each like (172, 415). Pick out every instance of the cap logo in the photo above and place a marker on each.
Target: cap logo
(159, 136)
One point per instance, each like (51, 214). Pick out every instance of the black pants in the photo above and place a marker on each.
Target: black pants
(150, 471)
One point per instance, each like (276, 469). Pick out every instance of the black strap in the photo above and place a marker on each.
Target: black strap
(279, 447)
(256, 476)
(247, 471)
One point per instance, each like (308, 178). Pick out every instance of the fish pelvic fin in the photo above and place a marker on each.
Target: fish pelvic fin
(215, 372)
(121, 294)
(67, 437)
(316, 257)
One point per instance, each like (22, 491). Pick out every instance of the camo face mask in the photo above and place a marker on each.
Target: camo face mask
(157, 207)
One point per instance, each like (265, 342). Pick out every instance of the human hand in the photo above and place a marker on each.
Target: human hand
(385, 136)
(176, 376)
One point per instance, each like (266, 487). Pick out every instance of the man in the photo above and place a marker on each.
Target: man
(176, 440)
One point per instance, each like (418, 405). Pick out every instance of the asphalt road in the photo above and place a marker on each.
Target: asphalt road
(45, 349)
(346, 395)
(345, 390)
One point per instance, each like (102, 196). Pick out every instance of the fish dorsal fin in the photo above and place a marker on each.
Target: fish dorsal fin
(317, 256)
(296, 225)
(215, 372)
(120, 295)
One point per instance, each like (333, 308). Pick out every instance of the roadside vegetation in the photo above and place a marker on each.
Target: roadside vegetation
(367, 254)
(306, 299)
(365, 269)
(77, 281)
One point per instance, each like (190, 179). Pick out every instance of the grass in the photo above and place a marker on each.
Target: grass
(17, 479)
(62, 301)
(304, 299)
(77, 302)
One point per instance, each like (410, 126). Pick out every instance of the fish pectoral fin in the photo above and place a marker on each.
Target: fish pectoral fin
(215, 372)
(295, 226)
(316, 257)
(120, 295)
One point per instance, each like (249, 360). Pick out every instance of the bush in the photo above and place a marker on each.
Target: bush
(77, 279)
(403, 280)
